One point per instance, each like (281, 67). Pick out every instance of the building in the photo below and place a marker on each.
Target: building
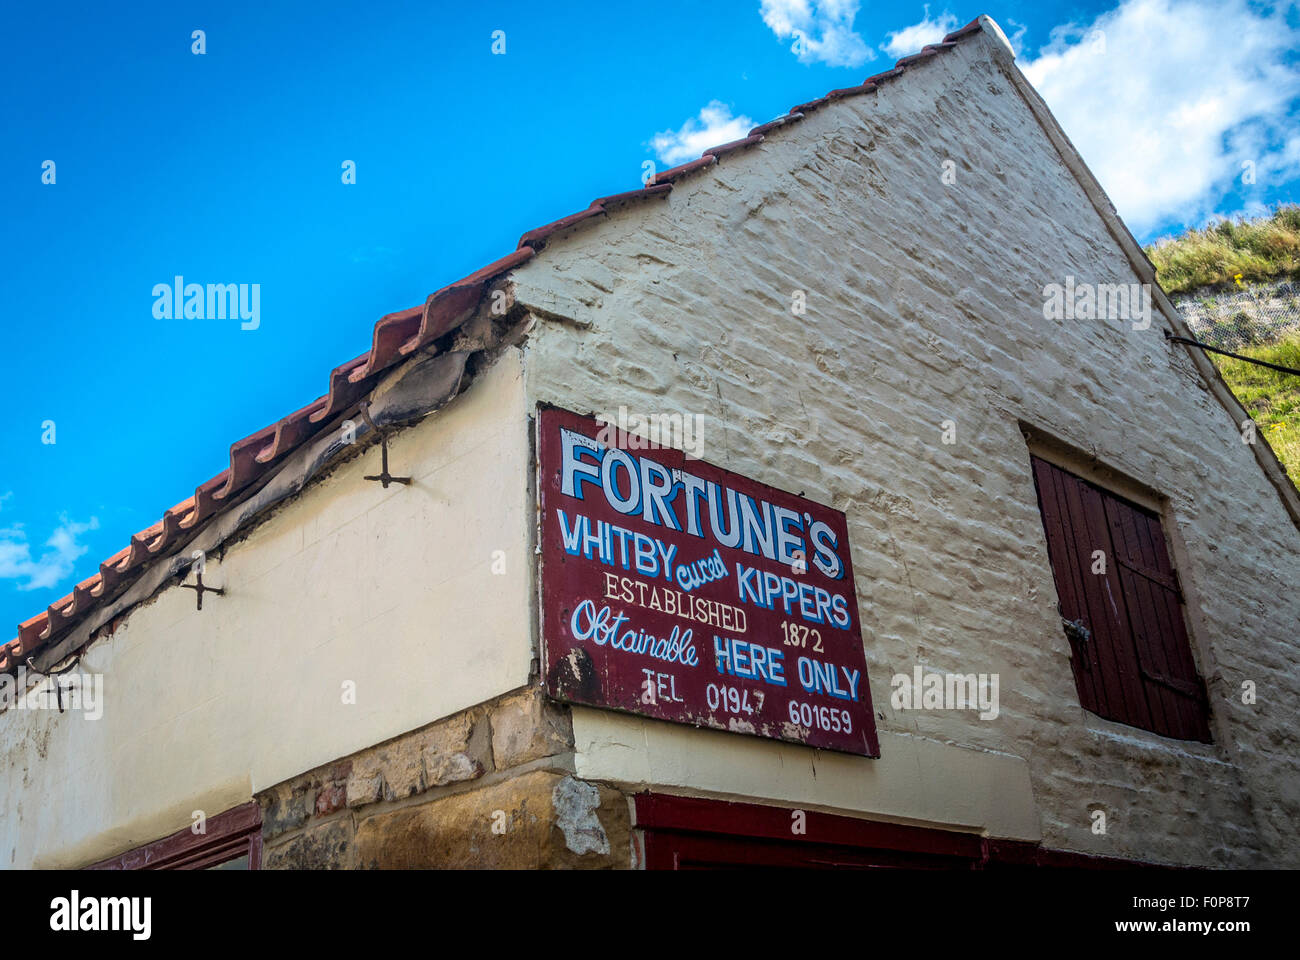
(892, 323)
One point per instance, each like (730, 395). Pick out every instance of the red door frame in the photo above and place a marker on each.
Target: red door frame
(685, 833)
(228, 836)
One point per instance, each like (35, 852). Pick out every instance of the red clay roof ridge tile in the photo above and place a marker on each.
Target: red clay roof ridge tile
(539, 236)
(672, 174)
(966, 31)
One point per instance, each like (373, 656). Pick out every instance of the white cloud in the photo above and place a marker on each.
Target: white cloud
(1165, 99)
(56, 561)
(1016, 39)
(714, 126)
(822, 30)
(1282, 163)
(911, 39)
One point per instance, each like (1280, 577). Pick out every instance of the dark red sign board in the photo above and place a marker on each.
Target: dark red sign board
(678, 590)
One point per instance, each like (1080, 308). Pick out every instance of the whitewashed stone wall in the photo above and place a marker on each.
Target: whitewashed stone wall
(925, 304)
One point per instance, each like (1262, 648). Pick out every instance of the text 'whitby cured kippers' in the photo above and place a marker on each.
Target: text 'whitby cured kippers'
(681, 591)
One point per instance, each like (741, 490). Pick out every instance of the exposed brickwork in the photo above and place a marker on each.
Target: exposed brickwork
(924, 304)
(488, 787)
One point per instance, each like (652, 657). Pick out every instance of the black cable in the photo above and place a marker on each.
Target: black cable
(1228, 353)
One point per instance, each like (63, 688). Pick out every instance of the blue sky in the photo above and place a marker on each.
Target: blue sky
(226, 167)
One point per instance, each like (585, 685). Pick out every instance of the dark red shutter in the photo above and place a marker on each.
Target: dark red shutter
(1132, 661)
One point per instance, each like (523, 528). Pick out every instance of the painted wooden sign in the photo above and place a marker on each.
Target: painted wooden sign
(681, 591)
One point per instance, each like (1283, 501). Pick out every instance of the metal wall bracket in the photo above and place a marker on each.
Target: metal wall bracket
(1079, 635)
(1076, 630)
(383, 476)
(199, 590)
(54, 677)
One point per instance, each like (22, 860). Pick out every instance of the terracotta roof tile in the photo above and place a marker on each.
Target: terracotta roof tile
(733, 146)
(206, 501)
(390, 333)
(810, 106)
(29, 632)
(915, 58)
(110, 572)
(56, 617)
(442, 312)
(140, 546)
(631, 196)
(764, 128)
(536, 237)
(844, 92)
(966, 31)
(290, 432)
(244, 467)
(81, 593)
(884, 76)
(494, 270)
(395, 337)
(674, 173)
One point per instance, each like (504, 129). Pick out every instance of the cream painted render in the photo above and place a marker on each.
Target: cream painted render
(392, 591)
(916, 780)
(924, 305)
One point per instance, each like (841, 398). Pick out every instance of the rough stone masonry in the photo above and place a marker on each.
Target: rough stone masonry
(924, 305)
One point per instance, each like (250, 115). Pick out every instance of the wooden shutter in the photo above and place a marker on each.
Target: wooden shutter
(1131, 658)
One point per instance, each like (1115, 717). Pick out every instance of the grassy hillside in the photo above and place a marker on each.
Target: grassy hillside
(1271, 397)
(1263, 249)
(1232, 255)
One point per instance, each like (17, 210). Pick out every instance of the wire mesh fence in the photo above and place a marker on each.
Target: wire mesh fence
(1252, 315)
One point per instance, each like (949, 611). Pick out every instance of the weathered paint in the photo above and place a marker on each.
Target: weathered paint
(924, 304)
(399, 592)
(677, 590)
